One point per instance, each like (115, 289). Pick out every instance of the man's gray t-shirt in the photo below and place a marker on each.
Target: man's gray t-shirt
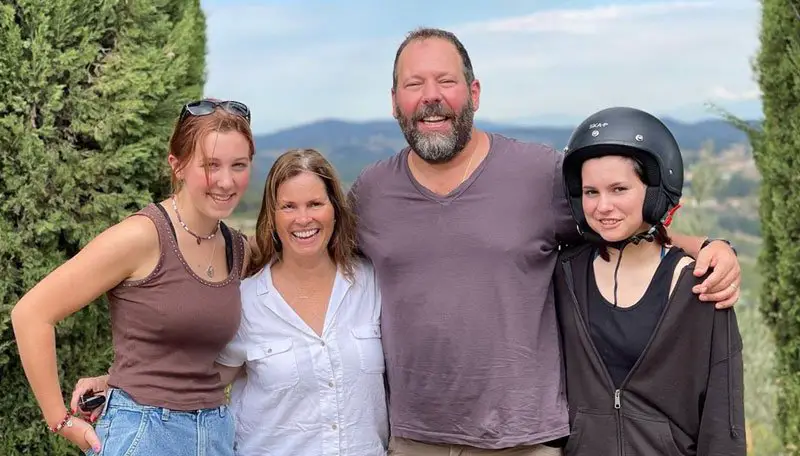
(468, 321)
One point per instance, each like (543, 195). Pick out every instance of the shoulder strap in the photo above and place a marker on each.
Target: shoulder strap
(168, 220)
(226, 232)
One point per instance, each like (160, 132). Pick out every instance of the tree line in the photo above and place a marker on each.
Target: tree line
(89, 91)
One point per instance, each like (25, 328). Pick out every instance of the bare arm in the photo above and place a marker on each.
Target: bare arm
(689, 244)
(125, 250)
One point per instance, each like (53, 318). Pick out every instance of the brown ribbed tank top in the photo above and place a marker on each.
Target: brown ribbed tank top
(169, 327)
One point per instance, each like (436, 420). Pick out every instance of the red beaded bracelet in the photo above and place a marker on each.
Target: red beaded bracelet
(67, 421)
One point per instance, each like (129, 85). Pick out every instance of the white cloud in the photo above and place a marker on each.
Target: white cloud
(656, 56)
(580, 21)
(721, 93)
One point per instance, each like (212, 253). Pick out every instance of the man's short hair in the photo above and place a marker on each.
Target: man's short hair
(424, 33)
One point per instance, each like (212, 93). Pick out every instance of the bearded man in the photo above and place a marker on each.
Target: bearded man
(463, 228)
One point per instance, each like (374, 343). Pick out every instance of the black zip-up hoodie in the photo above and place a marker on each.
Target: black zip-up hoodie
(684, 396)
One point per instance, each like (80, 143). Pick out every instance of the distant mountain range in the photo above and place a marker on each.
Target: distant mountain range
(692, 112)
(351, 145)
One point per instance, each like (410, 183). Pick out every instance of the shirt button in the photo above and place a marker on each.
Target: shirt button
(334, 426)
(322, 343)
(330, 384)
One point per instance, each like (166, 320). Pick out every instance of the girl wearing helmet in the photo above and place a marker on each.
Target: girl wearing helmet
(650, 370)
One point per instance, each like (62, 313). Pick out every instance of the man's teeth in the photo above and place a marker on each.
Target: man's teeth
(434, 119)
(305, 234)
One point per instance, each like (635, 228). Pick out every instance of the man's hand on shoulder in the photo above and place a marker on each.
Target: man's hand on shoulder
(722, 285)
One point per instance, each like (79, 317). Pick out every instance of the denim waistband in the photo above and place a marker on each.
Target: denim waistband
(117, 398)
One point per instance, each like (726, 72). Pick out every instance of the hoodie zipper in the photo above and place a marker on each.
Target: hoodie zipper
(584, 327)
(617, 391)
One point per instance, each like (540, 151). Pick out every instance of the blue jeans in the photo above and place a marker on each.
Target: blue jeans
(126, 428)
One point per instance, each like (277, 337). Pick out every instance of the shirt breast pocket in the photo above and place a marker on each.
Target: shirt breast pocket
(273, 364)
(370, 350)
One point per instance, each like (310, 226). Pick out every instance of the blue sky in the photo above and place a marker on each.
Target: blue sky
(539, 61)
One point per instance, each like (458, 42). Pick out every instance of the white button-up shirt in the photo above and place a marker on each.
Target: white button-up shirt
(306, 395)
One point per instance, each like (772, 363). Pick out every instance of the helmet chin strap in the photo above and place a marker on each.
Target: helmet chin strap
(647, 236)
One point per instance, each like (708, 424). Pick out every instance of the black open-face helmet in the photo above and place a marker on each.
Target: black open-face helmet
(632, 133)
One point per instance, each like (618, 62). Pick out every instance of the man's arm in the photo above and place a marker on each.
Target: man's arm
(722, 285)
(566, 229)
(689, 244)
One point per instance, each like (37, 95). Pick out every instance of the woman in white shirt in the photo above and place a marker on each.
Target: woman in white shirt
(306, 363)
(309, 340)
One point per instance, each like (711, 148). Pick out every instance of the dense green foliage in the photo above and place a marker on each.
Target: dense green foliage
(89, 91)
(776, 153)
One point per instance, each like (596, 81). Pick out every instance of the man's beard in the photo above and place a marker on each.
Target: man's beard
(437, 147)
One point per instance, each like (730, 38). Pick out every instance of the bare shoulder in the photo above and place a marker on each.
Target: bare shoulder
(685, 262)
(132, 244)
(135, 232)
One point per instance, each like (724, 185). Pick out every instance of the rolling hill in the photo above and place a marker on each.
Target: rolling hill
(350, 146)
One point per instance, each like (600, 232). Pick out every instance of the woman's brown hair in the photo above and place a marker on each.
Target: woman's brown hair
(189, 133)
(342, 245)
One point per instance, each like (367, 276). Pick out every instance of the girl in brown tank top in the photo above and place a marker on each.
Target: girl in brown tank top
(172, 273)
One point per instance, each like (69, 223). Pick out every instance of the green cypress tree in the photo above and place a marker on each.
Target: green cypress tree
(89, 91)
(776, 154)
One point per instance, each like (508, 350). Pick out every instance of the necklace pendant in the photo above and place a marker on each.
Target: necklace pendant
(198, 241)
(210, 271)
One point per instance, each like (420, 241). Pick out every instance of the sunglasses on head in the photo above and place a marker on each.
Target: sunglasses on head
(206, 107)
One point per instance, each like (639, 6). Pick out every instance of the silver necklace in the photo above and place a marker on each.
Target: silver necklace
(210, 268)
(196, 236)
